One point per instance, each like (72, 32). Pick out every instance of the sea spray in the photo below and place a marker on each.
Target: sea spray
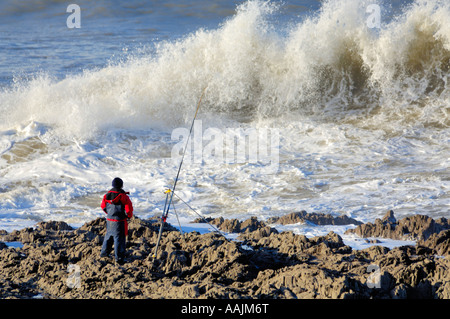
(329, 64)
(363, 116)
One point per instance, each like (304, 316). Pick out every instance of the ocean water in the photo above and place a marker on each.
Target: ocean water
(354, 95)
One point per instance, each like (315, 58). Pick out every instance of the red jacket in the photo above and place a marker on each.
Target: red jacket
(117, 206)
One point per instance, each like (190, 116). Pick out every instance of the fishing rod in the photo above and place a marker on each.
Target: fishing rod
(169, 193)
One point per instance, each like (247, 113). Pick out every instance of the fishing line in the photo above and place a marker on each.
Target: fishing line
(203, 218)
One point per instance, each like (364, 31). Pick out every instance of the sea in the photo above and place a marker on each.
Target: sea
(337, 106)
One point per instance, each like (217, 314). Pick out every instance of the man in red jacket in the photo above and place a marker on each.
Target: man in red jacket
(118, 208)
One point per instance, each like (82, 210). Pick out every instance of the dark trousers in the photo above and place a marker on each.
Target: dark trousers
(115, 234)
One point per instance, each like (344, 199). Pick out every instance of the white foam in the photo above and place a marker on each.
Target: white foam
(355, 242)
(363, 128)
(252, 69)
(308, 229)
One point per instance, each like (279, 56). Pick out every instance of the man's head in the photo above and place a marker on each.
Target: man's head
(117, 183)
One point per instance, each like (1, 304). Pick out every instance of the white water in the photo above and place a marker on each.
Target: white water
(363, 117)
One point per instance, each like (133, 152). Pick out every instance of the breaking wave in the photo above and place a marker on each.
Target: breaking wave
(329, 66)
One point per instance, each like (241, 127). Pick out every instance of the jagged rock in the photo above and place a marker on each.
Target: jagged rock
(438, 242)
(316, 218)
(258, 233)
(417, 227)
(267, 264)
(251, 224)
(389, 218)
(175, 262)
(233, 225)
(421, 227)
(399, 292)
(54, 225)
(227, 225)
(331, 240)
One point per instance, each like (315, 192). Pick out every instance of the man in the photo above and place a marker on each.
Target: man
(118, 208)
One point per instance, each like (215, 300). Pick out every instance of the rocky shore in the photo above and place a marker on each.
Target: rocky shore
(57, 261)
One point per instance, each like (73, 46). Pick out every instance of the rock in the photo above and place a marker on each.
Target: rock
(54, 225)
(417, 227)
(389, 218)
(227, 225)
(267, 264)
(233, 225)
(251, 225)
(443, 291)
(258, 233)
(373, 252)
(97, 225)
(175, 262)
(139, 229)
(420, 227)
(331, 240)
(316, 218)
(399, 292)
(438, 242)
